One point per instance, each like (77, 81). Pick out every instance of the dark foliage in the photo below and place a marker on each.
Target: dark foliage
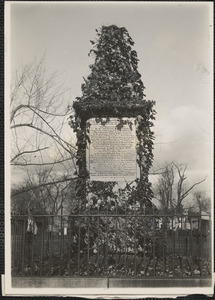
(114, 89)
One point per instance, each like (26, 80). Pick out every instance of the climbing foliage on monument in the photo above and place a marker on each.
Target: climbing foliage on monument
(113, 89)
(114, 75)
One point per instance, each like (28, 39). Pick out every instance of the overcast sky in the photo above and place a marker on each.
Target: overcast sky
(173, 41)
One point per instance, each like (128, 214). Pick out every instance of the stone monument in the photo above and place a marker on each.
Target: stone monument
(113, 120)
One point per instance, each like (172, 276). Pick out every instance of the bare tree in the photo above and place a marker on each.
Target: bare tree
(202, 202)
(165, 187)
(172, 188)
(43, 192)
(182, 189)
(39, 111)
(41, 145)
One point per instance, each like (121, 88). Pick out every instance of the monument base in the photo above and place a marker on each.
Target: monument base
(71, 282)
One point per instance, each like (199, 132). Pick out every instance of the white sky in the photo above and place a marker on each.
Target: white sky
(173, 41)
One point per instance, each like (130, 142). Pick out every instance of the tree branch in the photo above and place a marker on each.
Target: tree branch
(41, 164)
(46, 133)
(27, 152)
(42, 185)
(14, 111)
(186, 193)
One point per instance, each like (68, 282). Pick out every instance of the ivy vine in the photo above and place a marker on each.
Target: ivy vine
(113, 89)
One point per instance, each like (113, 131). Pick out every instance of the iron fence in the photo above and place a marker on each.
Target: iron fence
(114, 245)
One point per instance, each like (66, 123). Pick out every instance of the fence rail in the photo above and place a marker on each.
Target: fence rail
(114, 245)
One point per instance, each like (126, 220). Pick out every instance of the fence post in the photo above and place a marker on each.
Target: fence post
(200, 248)
(23, 244)
(173, 246)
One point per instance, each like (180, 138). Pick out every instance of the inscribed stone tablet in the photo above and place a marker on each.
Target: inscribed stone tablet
(112, 152)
